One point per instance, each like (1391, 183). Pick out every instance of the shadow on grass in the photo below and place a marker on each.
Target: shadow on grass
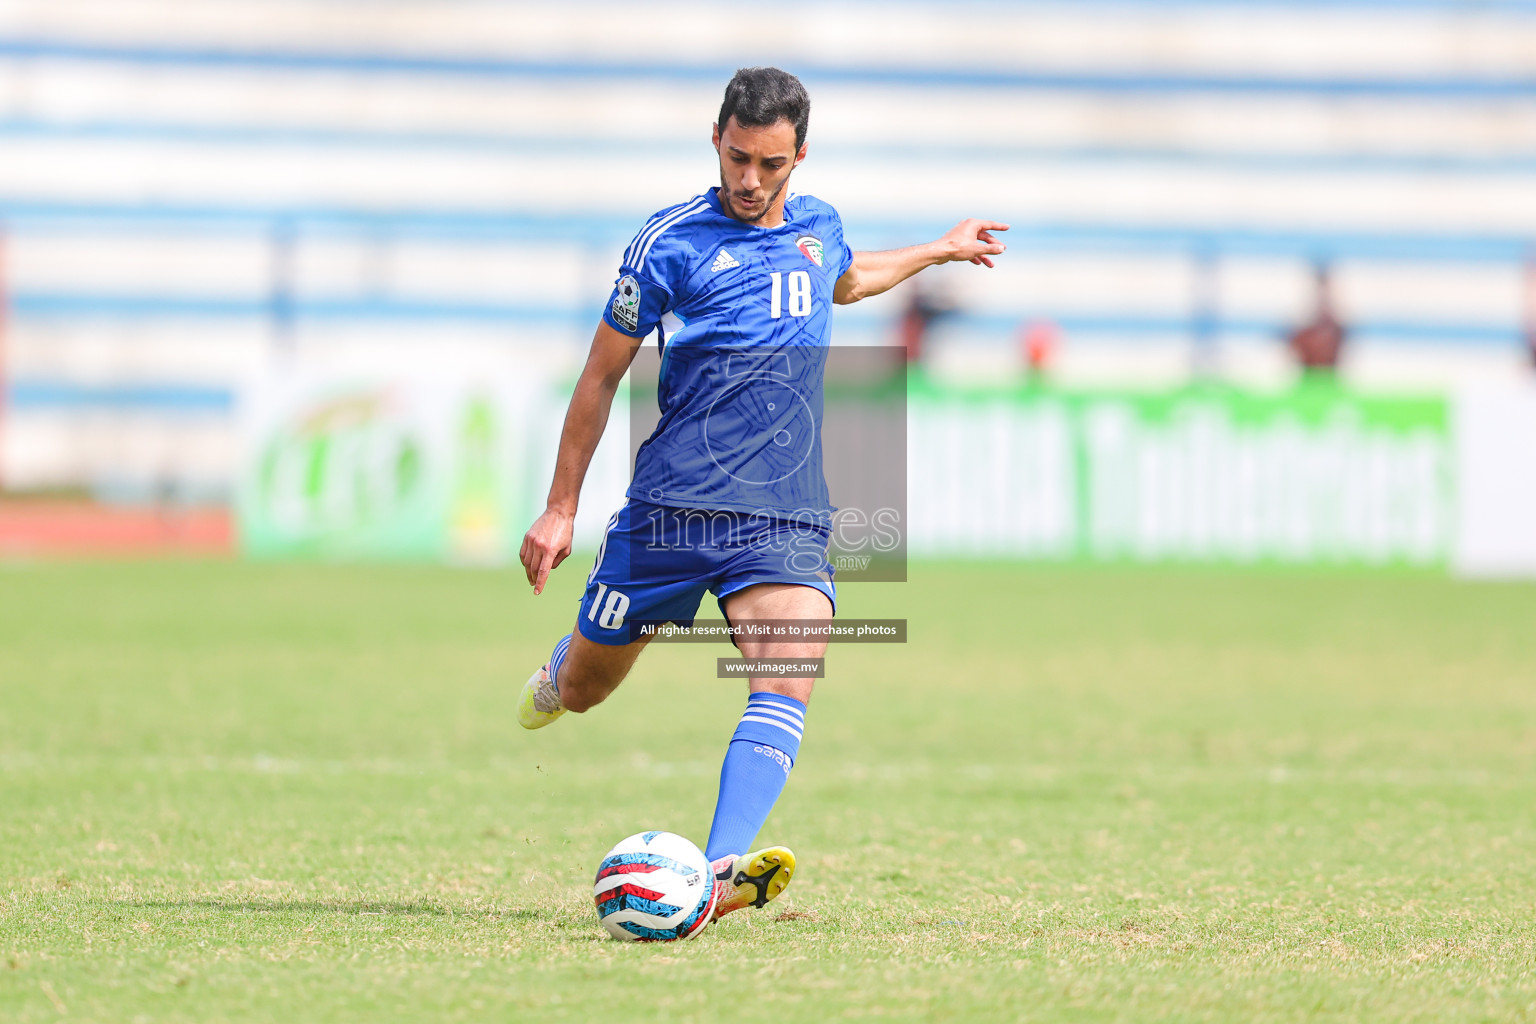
(397, 908)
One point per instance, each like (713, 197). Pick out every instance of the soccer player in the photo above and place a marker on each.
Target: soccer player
(728, 494)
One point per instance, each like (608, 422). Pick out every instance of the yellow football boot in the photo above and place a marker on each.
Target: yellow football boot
(539, 703)
(752, 879)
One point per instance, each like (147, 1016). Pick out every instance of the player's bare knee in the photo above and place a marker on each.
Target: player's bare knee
(585, 685)
(579, 693)
(578, 701)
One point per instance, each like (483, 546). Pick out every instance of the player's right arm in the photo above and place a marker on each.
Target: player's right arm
(641, 296)
(548, 540)
(871, 273)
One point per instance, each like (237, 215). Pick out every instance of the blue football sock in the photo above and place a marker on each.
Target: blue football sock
(757, 763)
(557, 659)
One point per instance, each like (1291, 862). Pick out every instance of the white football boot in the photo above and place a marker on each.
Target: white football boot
(539, 703)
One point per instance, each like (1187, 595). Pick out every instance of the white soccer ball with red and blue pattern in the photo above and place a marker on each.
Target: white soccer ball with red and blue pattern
(654, 887)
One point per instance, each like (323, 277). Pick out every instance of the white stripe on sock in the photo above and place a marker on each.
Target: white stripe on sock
(774, 721)
(769, 709)
(761, 700)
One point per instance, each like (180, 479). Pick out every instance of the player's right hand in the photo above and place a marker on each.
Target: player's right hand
(546, 545)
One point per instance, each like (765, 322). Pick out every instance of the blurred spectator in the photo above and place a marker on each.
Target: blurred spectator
(926, 304)
(1316, 344)
(1039, 341)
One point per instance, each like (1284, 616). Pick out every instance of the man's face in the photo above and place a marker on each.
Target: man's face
(754, 167)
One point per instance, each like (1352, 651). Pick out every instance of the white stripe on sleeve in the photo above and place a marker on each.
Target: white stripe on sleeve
(666, 225)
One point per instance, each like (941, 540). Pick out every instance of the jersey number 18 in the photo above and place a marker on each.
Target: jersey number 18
(799, 294)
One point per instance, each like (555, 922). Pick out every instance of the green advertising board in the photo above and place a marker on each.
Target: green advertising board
(452, 469)
(379, 469)
(1317, 474)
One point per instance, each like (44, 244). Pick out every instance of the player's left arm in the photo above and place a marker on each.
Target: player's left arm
(874, 272)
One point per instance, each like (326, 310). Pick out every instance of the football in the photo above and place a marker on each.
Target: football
(654, 887)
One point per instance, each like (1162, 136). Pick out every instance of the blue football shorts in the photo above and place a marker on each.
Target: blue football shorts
(656, 562)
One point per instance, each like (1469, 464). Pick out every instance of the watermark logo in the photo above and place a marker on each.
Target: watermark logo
(806, 445)
(760, 429)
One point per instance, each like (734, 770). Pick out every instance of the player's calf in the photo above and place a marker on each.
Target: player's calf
(579, 676)
(592, 671)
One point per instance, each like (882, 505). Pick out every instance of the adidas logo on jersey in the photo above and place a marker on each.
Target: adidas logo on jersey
(724, 261)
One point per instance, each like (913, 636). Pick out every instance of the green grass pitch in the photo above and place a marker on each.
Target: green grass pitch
(295, 793)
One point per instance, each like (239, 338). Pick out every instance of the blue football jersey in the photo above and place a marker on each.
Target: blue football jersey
(745, 318)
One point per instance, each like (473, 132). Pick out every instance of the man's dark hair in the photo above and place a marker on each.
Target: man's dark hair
(759, 97)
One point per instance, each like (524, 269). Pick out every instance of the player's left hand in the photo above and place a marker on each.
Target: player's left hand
(972, 240)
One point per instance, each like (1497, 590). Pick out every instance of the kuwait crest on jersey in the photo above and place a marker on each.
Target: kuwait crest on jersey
(811, 246)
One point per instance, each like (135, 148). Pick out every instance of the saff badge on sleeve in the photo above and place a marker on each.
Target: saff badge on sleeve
(626, 303)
